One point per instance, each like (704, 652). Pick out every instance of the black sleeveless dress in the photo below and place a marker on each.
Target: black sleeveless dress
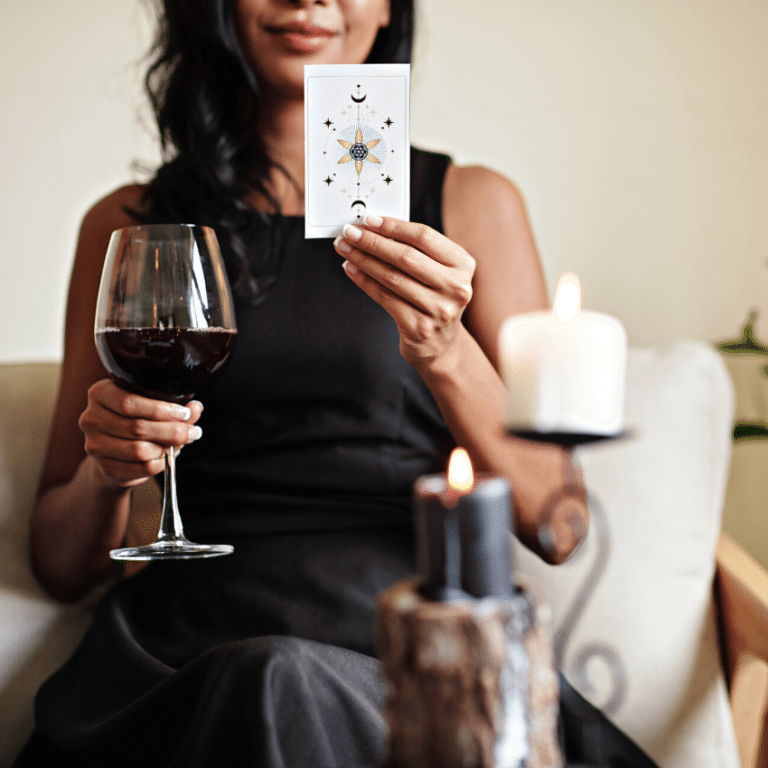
(313, 437)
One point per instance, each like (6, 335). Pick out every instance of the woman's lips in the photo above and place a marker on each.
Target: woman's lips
(301, 37)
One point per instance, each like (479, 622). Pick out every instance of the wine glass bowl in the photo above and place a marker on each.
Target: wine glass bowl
(164, 326)
(164, 363)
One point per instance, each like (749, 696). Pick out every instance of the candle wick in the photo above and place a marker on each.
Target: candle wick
(450, 497)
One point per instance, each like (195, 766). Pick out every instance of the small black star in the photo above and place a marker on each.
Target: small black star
(328, 180)
(388, 122)
(328, 123)
(388, 180)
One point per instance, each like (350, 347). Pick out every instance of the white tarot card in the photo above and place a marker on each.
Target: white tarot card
(357, 144)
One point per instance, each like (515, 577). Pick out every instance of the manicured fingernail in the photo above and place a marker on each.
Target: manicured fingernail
(197, 402)
(195, 433)
(372, 220)
(180, 412)
(352, 233)
(342, 245)
(349, 268)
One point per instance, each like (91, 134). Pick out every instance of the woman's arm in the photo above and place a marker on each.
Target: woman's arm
(103, 440)
(449, 306)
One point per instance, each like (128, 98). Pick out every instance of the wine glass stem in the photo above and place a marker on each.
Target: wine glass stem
(170, 519)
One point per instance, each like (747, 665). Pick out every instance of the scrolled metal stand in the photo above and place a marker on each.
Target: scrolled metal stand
(579, 670)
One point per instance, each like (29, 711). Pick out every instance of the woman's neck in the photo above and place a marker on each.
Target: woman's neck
(281, 128)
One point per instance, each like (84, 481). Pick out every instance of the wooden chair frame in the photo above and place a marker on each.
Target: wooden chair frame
(742, 594)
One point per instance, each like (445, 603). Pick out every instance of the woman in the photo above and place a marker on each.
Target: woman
(346, 385)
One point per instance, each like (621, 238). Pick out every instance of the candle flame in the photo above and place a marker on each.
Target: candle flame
(567, 297)
(460, 475)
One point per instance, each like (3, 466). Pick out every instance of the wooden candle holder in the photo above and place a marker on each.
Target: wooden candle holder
(470, 683)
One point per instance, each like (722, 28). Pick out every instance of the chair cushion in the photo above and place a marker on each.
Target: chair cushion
(645, 649)
(37, 634)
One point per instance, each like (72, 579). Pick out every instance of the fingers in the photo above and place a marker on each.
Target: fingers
(127, 434)
(411, 261)
(130, 405)
(419, 236)
(423, 279)
(395, 248)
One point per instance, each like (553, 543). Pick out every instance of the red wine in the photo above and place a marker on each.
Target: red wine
(164, 363)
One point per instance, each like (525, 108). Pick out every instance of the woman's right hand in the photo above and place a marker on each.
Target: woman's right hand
(127, 434)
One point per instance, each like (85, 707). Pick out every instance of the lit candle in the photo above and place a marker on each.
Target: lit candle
(463, 525)
(564, 370)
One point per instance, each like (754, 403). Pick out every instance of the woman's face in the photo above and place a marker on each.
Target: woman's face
(279, 37)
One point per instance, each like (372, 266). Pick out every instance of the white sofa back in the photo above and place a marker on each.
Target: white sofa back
(645, 644)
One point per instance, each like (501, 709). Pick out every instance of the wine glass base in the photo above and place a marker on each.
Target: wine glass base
(173, 549)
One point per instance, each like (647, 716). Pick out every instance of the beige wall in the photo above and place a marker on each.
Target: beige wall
(637, 130)
(68, 85)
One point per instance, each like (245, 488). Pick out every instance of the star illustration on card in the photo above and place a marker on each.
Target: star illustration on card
(388, 180)
(328, 180)
(328, 123)
(359, 151)
(388, 122)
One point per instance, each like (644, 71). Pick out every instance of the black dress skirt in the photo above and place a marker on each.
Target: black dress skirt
(313, 437)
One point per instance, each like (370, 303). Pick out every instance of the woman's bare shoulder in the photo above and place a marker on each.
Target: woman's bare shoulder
(117, 209)
(485, 213)
(476, 196)
(120, 208)
(478, 179)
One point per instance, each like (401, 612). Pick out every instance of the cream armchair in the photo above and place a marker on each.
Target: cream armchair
(644, 644)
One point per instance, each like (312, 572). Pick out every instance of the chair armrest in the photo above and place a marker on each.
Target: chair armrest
(742, 586)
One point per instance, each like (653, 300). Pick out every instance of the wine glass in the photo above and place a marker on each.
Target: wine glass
(164, 325)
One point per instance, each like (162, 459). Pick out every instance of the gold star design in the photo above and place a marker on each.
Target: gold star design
(358, 151)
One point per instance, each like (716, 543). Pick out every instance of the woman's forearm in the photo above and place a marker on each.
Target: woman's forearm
(73, 527)
(550, 506)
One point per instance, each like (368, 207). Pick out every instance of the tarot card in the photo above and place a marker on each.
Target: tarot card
(357, 153)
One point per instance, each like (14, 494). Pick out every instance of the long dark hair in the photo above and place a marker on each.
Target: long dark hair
(206, 103)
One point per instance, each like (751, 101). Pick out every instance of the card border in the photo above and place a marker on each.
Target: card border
(352, 70)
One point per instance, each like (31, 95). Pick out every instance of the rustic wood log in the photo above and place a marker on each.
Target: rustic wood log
(464, 676)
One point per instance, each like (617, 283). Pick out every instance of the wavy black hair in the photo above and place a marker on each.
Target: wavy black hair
(206, 102)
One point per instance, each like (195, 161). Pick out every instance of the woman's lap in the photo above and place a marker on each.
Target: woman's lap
(189, 666)
(271, 702)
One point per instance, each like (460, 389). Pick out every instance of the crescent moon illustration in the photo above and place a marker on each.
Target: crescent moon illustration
(358, 202)
(359, 101)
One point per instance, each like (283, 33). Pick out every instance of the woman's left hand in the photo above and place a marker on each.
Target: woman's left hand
(419, 276)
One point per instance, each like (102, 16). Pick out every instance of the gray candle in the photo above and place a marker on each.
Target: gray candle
(463, 534)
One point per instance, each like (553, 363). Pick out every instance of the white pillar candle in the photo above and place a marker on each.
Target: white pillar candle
(564, 370)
